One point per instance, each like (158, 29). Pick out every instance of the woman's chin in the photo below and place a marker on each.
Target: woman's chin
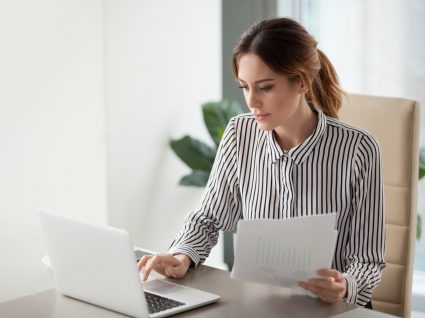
(265, 126)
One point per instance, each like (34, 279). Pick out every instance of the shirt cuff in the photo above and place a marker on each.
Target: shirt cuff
(351, 289)
(190, 252)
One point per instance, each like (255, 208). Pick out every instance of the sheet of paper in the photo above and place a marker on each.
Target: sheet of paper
(283, 252)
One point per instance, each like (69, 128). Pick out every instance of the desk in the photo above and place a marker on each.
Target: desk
(238, 299)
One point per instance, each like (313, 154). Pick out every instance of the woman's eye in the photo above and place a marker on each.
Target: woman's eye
(266, 88)
(243, 87)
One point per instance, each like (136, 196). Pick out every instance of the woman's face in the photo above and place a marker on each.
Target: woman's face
(271, 97)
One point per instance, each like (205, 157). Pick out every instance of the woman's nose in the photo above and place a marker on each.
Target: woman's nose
(252, 100)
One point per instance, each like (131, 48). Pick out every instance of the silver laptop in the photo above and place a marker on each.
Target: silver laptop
(96, 263)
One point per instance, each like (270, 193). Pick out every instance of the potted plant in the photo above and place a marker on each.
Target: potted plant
(198, 155)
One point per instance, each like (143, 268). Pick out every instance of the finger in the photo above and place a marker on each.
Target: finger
(150, 264)
(323, 294)
(302, 284)
(313, 289)
(329, 284)
(329, 295)
(142, 262)
(159, 263)
(328, 272)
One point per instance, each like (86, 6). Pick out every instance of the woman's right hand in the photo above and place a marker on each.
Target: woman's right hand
(174, 266)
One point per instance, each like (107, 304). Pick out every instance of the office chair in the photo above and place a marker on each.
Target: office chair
(395, 124)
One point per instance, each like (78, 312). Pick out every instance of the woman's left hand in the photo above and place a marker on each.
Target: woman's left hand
(331, 286)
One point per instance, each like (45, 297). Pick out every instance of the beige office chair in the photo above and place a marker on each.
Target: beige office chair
(395, 124)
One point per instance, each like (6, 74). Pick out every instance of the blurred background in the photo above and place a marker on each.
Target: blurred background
(91, 92)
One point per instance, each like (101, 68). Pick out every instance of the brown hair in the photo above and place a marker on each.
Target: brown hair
(287, 48)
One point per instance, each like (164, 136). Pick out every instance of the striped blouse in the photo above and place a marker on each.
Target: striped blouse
(337, 169)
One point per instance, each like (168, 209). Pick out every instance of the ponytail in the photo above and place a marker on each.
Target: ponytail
(325, 91)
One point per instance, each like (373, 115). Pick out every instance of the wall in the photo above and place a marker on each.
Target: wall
(163, 60)
(52, 132)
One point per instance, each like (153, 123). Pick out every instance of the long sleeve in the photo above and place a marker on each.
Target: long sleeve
(366, 245)
(220, 205)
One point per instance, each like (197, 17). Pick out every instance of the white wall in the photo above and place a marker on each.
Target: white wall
(163, 59)
(52, 131)
(68, 68)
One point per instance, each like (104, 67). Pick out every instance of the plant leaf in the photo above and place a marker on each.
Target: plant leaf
(217, 116)
(421, 163)
(198, 178)
(196, 154)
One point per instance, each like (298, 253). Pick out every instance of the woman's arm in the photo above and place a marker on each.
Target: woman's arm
(219, 208)
(366, 245)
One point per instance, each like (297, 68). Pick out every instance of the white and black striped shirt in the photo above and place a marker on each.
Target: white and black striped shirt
(336, 169)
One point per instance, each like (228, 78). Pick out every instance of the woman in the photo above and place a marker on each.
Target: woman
(290, 158)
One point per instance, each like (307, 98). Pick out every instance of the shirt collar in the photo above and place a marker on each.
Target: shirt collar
(299, 153)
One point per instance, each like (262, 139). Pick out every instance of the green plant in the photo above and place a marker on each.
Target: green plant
(196, 154)
(421, 163)
(421, 175)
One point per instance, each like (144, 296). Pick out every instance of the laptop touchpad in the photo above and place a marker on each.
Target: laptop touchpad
(161, 287)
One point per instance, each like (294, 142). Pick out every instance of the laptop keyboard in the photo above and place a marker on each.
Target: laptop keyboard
(158, 303)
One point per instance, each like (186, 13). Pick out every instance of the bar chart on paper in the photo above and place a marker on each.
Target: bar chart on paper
(276, 254)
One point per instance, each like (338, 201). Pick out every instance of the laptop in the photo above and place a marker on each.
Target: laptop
(96, 264)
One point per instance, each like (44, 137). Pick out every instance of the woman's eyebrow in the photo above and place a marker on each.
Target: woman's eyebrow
(259, 81)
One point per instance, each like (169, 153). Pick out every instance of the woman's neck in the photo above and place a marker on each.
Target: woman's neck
(297, 128)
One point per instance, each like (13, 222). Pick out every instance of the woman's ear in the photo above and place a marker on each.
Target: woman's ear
(302, 86)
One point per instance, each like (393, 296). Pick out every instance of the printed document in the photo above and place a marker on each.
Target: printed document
(284, 252)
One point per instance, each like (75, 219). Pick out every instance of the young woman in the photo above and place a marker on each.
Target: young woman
(291, 157)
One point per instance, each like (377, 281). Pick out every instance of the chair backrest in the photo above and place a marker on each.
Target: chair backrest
(395, 124)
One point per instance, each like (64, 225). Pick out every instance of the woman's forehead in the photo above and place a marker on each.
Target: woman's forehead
(251, 68)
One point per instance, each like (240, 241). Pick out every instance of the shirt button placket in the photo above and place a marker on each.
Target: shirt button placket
(285, 168)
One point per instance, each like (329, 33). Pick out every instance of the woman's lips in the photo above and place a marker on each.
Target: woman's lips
(260, 117)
